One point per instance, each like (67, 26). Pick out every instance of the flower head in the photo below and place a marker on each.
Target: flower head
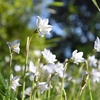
(28, 91)
(92, 61)
(95, 75)
(14, 82)
(31, 70)
(49, 57)
(77, 57)
(42, 86)
(42, 26)
(97, 44)
(14, 46)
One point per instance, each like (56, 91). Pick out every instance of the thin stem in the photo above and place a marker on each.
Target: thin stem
(9, 73)
(62, 88)
(26, 62)
(91, 98)
(49, 94)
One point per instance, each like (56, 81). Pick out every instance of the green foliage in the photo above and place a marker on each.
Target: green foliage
(96, 4)
(59, 4)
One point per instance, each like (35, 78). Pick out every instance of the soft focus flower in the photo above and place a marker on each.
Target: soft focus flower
(54, 69)
(17, 68)
(92, 61)
(49, 57)
(31, 69)
(28, 91)
(97, 44)
(14, 82)
(95, 75)
(14, 46)
(43, 27)
(42, 86)
(49, 68)
(60, 69)
(77, 57)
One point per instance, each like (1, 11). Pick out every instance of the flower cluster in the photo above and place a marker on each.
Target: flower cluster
(48, 68)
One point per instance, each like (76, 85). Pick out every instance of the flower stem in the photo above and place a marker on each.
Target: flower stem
(9, 73)
(26, 62)
(91, 98)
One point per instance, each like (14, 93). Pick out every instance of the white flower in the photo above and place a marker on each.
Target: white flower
(77, 57)
(54, 69)
(49, 68)
(42, 86)
(97, 44)
(92, 61)
(59, 69)
(95, 75)
(49, 57)
(28, 91)
(43, 27)
(14, 46)
(31, 69)
(17, 68)
(14, 82)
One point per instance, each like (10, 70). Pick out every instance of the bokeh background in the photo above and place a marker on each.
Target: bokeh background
(76, 24)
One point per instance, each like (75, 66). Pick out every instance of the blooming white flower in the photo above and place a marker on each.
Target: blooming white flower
(14, 46)
(97, 44)
(92, 61)
(42, 26)
(77, 57)
(14, 82)
(42, 86)
(49, 57)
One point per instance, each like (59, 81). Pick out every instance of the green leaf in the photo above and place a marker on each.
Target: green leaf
(95, 3)
(2, 80)
(59, 4)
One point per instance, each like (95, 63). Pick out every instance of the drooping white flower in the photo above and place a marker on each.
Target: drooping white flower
(97, 44)
(92, 61)
(77, 57)
(14, 82)
(42, 26)
(49, 57)
(42, 86)
(14, 46)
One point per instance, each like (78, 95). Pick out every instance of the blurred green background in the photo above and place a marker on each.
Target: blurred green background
(75, 23)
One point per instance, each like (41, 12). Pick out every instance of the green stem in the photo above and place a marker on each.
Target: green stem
(62, 88)
(26, 62)
(91, 98)
(9, 73)
(49, 94)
